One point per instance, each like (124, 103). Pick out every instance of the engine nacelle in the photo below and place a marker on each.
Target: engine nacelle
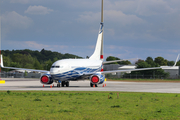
(46, 79)
(97, 78)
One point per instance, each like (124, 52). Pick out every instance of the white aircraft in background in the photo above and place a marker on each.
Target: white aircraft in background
(63, 71)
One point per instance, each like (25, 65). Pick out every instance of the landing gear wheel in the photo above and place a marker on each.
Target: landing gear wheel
(91, 85)
(67, 84)
(63, 83)
(58, 85)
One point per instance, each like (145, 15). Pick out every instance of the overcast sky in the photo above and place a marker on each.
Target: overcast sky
(132, 28)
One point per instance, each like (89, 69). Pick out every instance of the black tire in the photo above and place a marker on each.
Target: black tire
(96, 85)
(91, 85)
(62, 84)
(58, 85)
(67, 84)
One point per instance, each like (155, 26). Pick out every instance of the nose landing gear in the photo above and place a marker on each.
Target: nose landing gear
(59, 83)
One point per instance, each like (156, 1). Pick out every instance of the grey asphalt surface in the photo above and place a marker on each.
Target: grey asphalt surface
(34, 84)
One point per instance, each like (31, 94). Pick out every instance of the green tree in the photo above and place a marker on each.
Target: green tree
(25, 61)
(147, 64)
(37, 65)
(15, 64)
(170, 63)
(139, 61)
(161, 61)
(143, 64)
(111, 58)
(151, 62)
(178, 63)
(125, 62)
(6, 61)
(55, 59)
(47, 64)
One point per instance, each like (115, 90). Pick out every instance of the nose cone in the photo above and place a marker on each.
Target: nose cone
(54, 71)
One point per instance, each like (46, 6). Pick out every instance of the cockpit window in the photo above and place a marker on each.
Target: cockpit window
(55, 66)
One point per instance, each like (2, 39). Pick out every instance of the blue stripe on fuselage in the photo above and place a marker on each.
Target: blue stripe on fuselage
(74, 74)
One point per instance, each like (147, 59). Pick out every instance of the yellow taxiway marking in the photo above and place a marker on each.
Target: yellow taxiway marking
(2, 81)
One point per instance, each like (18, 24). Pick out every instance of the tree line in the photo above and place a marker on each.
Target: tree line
(149, 62)
(44, 59)
(26, 58)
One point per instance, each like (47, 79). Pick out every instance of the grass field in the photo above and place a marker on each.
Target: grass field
(88, 105)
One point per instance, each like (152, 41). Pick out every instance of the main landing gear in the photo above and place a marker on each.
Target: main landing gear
(58, 85)
(92, 85)
(63, 83)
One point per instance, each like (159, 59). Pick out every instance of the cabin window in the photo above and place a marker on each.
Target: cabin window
(55, 67)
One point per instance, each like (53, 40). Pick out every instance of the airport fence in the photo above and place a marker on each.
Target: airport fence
(125, 76)
(136, 76)
(11, 75)
(19, 75)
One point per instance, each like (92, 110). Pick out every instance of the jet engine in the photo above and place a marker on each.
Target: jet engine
(97, 78)
(46, 79)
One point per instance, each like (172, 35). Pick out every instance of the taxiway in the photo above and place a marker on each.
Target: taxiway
(34, 84)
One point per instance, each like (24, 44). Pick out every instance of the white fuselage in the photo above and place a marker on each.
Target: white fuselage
(70, 69)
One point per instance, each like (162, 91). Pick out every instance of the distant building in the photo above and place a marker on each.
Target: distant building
(20, 74)
(118, 67)
(173, 71)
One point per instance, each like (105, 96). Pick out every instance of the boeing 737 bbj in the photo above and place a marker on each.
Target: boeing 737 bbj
(63, 71)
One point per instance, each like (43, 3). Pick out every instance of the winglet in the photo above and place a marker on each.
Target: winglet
(2, 62)
(176, 60)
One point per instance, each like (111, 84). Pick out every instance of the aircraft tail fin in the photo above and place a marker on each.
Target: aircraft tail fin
(98, 52)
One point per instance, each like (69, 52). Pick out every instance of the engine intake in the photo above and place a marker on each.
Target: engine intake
(46, 79)
(97, 79)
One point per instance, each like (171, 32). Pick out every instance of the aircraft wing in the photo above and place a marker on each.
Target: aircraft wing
(130, 70)
(127, 70)
(117, 61)
(33, 70)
